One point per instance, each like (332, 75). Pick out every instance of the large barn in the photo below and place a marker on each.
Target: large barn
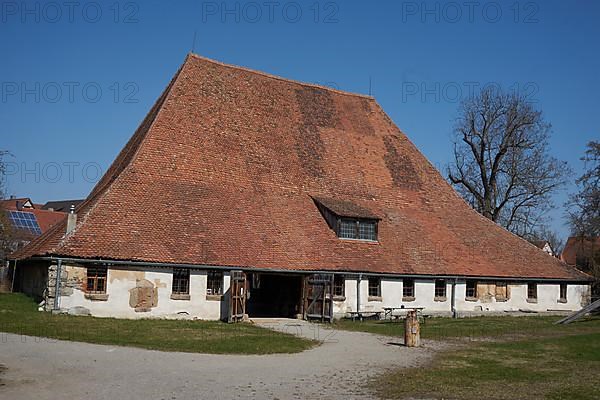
(246, 194)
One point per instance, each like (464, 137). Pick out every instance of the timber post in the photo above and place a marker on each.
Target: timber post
(412, 330)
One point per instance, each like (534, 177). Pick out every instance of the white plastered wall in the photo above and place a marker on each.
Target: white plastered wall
(121, 281)
(391, 296)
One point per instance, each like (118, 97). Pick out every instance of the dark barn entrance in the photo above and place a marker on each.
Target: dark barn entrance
(274, 295)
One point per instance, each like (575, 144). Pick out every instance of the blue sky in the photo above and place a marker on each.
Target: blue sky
(77, 80)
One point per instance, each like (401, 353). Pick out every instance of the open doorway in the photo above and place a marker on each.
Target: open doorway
(274, 295)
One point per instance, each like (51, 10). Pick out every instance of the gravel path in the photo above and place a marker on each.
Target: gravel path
(338, 369)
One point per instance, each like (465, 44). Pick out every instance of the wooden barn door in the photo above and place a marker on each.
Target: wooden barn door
(317, 297)
(237, 299)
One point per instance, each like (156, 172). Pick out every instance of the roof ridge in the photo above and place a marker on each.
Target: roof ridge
(280, 78)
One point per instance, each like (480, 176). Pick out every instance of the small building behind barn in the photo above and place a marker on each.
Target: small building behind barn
(544, 245)
(24, 221)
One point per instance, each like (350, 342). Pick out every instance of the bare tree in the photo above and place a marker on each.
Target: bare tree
(583, 211)
(502, 165)
(8, 235)
(6, 231)
(3, 153)
(584, 206)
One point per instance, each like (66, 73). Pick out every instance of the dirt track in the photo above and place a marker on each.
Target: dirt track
(338, 369)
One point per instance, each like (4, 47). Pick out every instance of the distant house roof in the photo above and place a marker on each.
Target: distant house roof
(577, 246)
(44, 218)
(61, 205)
(222, 169)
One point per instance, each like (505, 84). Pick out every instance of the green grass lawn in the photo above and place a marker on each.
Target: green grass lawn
(18, 314)
(464, 328)
(509, 358)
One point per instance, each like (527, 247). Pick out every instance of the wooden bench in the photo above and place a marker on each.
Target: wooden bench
(389, 313)
(364, 314)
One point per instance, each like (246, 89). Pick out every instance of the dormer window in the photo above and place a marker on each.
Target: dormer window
(348, 220)
(354, 228)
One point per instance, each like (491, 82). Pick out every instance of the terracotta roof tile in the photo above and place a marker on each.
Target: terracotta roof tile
(222, 170)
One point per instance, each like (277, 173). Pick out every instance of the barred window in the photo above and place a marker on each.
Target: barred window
(214, 283)
(348, 229)
(532, 291)
(374, 287)
(408, 288)
(181, 281)
(471, 289)
(339, 285)
(367, 230)
(440, 288)
(96, 279)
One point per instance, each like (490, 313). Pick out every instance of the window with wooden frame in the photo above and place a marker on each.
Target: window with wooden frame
(532, 291)
(96, 279)
(374, 287)
(214, 283)
(562, 296)
(471, 291)
(339, 288)
(440, 289)
(181, 281)
(408, 289)
(501, 291)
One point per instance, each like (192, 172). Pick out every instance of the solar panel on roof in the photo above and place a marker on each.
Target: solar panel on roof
(25, 221)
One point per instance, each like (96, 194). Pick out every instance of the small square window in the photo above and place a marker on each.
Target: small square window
(408, 288)
(181, 281)
(214, 283)
(471, 291)
(440, 288)
(339, 286)
(374, 287)
(96, 279)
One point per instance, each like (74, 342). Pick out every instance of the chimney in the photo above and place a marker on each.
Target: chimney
(71, 219)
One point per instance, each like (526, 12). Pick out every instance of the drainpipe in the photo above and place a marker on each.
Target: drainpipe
(453, 299)
(57, 286)
(358, 292)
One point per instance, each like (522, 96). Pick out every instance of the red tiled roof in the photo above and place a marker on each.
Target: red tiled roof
(579, 246)
(222, 170)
